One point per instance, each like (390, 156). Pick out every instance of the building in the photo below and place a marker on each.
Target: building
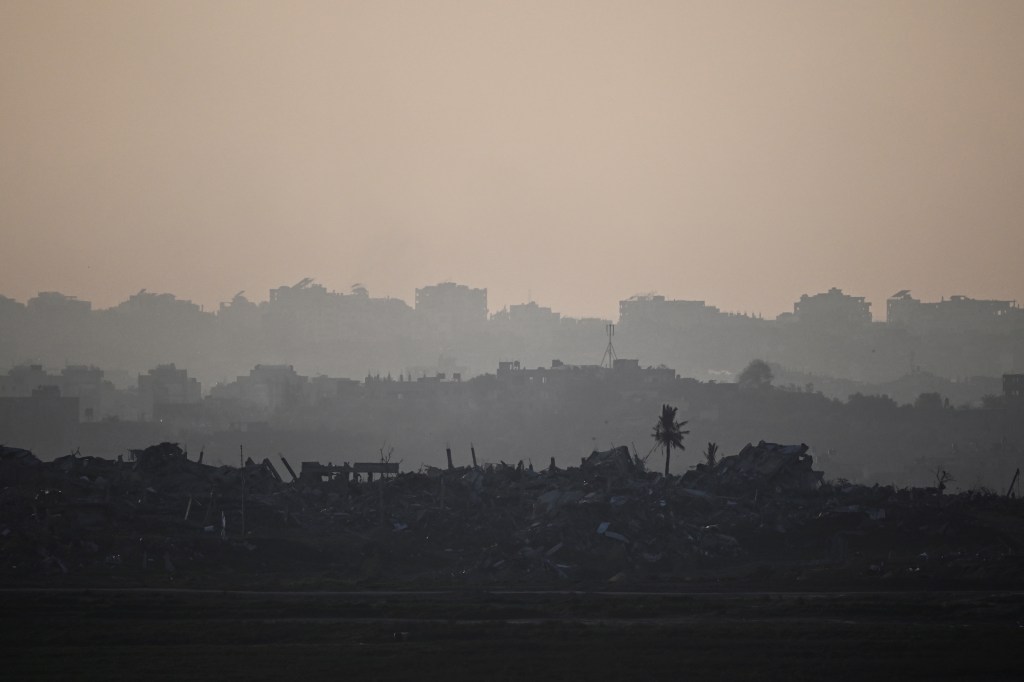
(97, 397)
(1013, 386)
(54, 303)
(650, 310)
(322, 389)
(955, 313)
(452, 306)
(268, 387)
(532, 315)
(10, 309)
(304, 295)
(87, 384)
(148, 303)
(167, 385)
(832, 309)
(21, 381)
(528, 320)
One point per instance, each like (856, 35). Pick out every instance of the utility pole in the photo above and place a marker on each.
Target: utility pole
(241, 464)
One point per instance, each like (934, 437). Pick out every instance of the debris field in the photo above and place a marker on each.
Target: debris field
(761, 517)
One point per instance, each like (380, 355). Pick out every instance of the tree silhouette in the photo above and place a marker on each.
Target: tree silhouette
(669, 433)
(711, 455)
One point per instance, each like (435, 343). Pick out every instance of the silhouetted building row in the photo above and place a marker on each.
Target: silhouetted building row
(323, 332)
(952, 314)
(95, 397)
(623, 373)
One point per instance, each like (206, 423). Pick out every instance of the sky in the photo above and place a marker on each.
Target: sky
(571, 153)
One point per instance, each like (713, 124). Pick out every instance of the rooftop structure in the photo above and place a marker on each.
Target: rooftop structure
(624, 371)
(956, 312)
(163, 304)
(53, 302)
(653, 309)
(452, 304)
(168, 385)
(832, 308)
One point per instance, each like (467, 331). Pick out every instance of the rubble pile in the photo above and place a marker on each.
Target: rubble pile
(764, 514)
(780, 468)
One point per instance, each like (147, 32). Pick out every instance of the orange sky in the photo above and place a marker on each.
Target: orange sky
(737, 152)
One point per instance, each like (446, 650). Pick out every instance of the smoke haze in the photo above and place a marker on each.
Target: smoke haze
(575, 152)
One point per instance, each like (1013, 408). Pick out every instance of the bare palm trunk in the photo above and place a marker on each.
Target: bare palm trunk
(668, 454)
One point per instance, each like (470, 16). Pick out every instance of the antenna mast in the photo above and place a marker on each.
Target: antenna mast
(609, 352)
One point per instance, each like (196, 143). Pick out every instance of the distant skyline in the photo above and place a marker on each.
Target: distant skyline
(877, 316)
(575, 153)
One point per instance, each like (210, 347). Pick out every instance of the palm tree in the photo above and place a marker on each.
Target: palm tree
(669, 433)
(711, 455)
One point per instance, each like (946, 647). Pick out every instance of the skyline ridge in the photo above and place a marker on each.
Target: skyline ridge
(878, 313)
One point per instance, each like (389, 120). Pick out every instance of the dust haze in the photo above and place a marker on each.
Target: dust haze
(576, 152)
(511, 339)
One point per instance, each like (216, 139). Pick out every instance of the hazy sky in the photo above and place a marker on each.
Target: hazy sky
(737, 152)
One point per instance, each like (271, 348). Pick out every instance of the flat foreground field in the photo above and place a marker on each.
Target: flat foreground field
(151, 635)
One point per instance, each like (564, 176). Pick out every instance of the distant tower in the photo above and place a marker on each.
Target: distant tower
(609, 352)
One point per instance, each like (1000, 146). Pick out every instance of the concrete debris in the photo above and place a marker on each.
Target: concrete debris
(782, 468)
(763, 515)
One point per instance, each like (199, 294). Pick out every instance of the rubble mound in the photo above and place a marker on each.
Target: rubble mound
(763, 516)
(766, 467)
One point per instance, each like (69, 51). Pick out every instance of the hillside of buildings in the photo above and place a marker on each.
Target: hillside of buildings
(449, 329)
(560, 412)
(331, 376)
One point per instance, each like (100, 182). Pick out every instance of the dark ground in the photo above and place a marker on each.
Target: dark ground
(149, 569)
(151, 634)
